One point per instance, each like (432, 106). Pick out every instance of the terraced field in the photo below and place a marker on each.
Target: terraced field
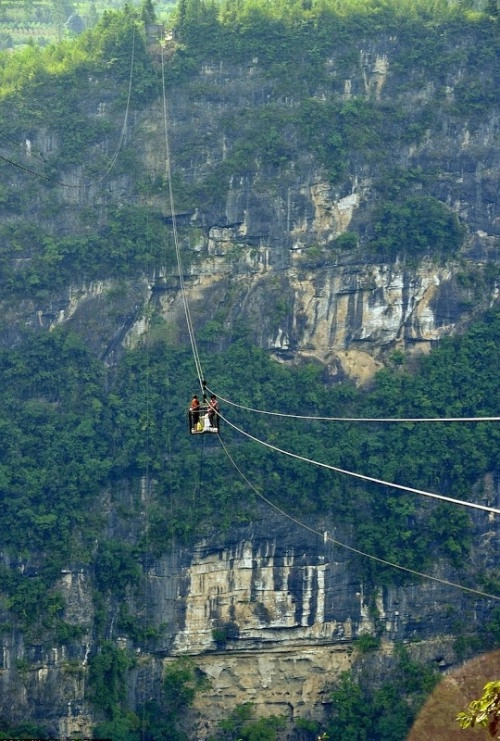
(43, 22)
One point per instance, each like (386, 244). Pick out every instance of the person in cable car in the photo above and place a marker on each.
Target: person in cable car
(194, 413)
(203, 417)
(213, 412)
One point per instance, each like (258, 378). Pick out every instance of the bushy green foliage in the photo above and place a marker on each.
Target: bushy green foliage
(124, 726)
(275, 31)
(346, 241)
(366, 643)
(420, 226)
(52, 465)
(23, 730)
(45, 428)
(181, 682)
(107, 679)
(162, 718)
(105, 48)
(349, 711)
(115, 567)
(37, 606)
(383, 714)
(273, 23)
(485, 711)
(126, 241)
(242, 724)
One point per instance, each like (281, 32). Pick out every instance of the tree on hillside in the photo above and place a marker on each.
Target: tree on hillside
(148, 14)
(484, 712)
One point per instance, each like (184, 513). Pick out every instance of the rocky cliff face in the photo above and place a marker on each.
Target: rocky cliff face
(266, 244)
(270, 611)
(273, 621)
(269, 619)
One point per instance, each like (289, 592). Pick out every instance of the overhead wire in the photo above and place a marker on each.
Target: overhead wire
(26, 169)
(127, 109)
(204, 387)
(371, 479)
(25, 148)
(187, 312)
(357, 551)
(98, 178)
(145, 491)
(354, 419)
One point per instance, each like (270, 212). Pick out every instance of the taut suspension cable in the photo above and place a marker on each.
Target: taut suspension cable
(298, 522)
(187, 312)
(356, 419)
(371, 479)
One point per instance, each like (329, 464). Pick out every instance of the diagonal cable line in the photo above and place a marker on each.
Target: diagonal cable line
(358, 552)
(99, 179)
(187, 312)
(356, 419)
(371, 479)
(127, 108)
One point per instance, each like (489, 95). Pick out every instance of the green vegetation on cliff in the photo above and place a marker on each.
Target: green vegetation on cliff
(70, 99)
(75, 435)
(68, 434)
(386, 714)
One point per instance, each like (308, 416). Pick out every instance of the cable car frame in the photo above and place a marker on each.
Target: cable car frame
(199, 420)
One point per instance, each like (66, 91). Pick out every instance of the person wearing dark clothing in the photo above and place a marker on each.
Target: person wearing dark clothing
(213, 412)
(194, 412)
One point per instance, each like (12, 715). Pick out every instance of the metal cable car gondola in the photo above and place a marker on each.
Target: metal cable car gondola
(203, 417)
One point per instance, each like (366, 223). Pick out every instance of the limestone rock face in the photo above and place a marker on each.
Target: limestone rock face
(273, 620)
(346, 316)
(263, 247)
(46, 682)
(270, 612)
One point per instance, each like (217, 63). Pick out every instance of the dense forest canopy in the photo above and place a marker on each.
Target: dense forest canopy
(108, 439)
(74, 437)
(58, 89)
(270, 27)
(72, 428)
